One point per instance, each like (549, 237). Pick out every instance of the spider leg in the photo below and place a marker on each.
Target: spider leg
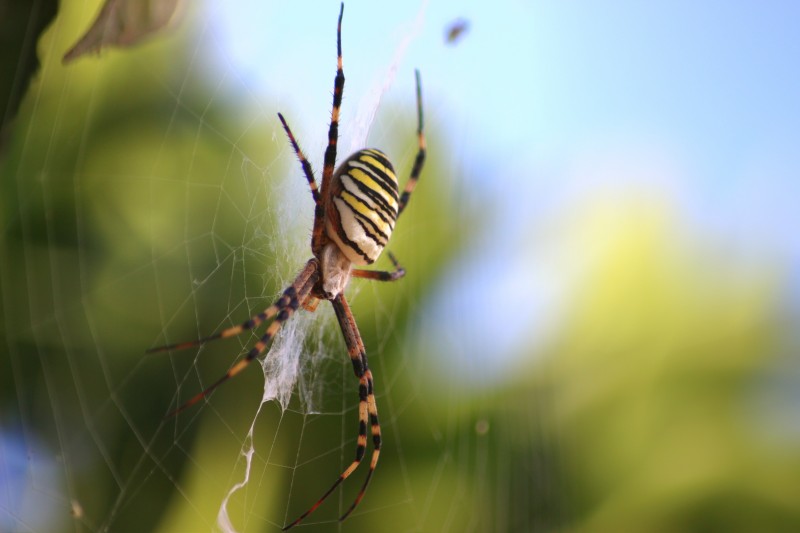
(306, 166)
(367, 409)
(329, 162)
(285, 306)
(419, 161)
(311, 304)
(254, 322)
(379, 275)
(375, 430)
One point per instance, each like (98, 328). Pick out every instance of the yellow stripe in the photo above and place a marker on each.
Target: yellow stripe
(364, 210)
(374, 152)
(361, 176)
(378, 165)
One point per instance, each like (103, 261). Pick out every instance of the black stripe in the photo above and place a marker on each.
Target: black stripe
(346, 240)
(387, 183)
(380, 156)
(371, 235)
(379, 237)
(361, 185)
(359, 218)
(381, 178)
(382, 207)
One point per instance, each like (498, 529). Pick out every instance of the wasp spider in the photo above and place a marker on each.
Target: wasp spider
(354, 215)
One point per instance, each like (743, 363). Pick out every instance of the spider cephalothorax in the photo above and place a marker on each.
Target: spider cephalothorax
(356, 208)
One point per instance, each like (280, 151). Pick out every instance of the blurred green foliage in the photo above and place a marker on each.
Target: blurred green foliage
(140, 204)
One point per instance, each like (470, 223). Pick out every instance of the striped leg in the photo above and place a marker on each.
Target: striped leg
(307, 170)
(284, 307)
(367, 409)
(375, 431)
(419, 161)
(318, 237)
(379, 275)
(254, 322)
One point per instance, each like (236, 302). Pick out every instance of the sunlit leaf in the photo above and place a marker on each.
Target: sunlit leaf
(125, 23)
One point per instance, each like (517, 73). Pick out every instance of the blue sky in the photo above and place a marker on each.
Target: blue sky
(555, 101)
(716, 80)
(535, 83)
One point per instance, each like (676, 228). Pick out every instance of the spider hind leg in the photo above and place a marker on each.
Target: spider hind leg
(367, 410)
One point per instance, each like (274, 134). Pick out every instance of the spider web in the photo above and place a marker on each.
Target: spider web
(597, 331)
(282, 365)
(184, 194)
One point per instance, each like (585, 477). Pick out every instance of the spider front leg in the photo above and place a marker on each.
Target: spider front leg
(419, 161)
(367, 409)
(329, 161)
(307, 170)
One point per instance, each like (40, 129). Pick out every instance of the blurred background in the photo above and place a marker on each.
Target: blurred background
(597, 331)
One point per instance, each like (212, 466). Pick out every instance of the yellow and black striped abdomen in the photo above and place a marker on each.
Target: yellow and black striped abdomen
(362, 208)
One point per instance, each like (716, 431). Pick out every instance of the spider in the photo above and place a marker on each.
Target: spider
(355, 211)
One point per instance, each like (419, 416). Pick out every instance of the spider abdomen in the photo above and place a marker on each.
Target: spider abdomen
(362, 208)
